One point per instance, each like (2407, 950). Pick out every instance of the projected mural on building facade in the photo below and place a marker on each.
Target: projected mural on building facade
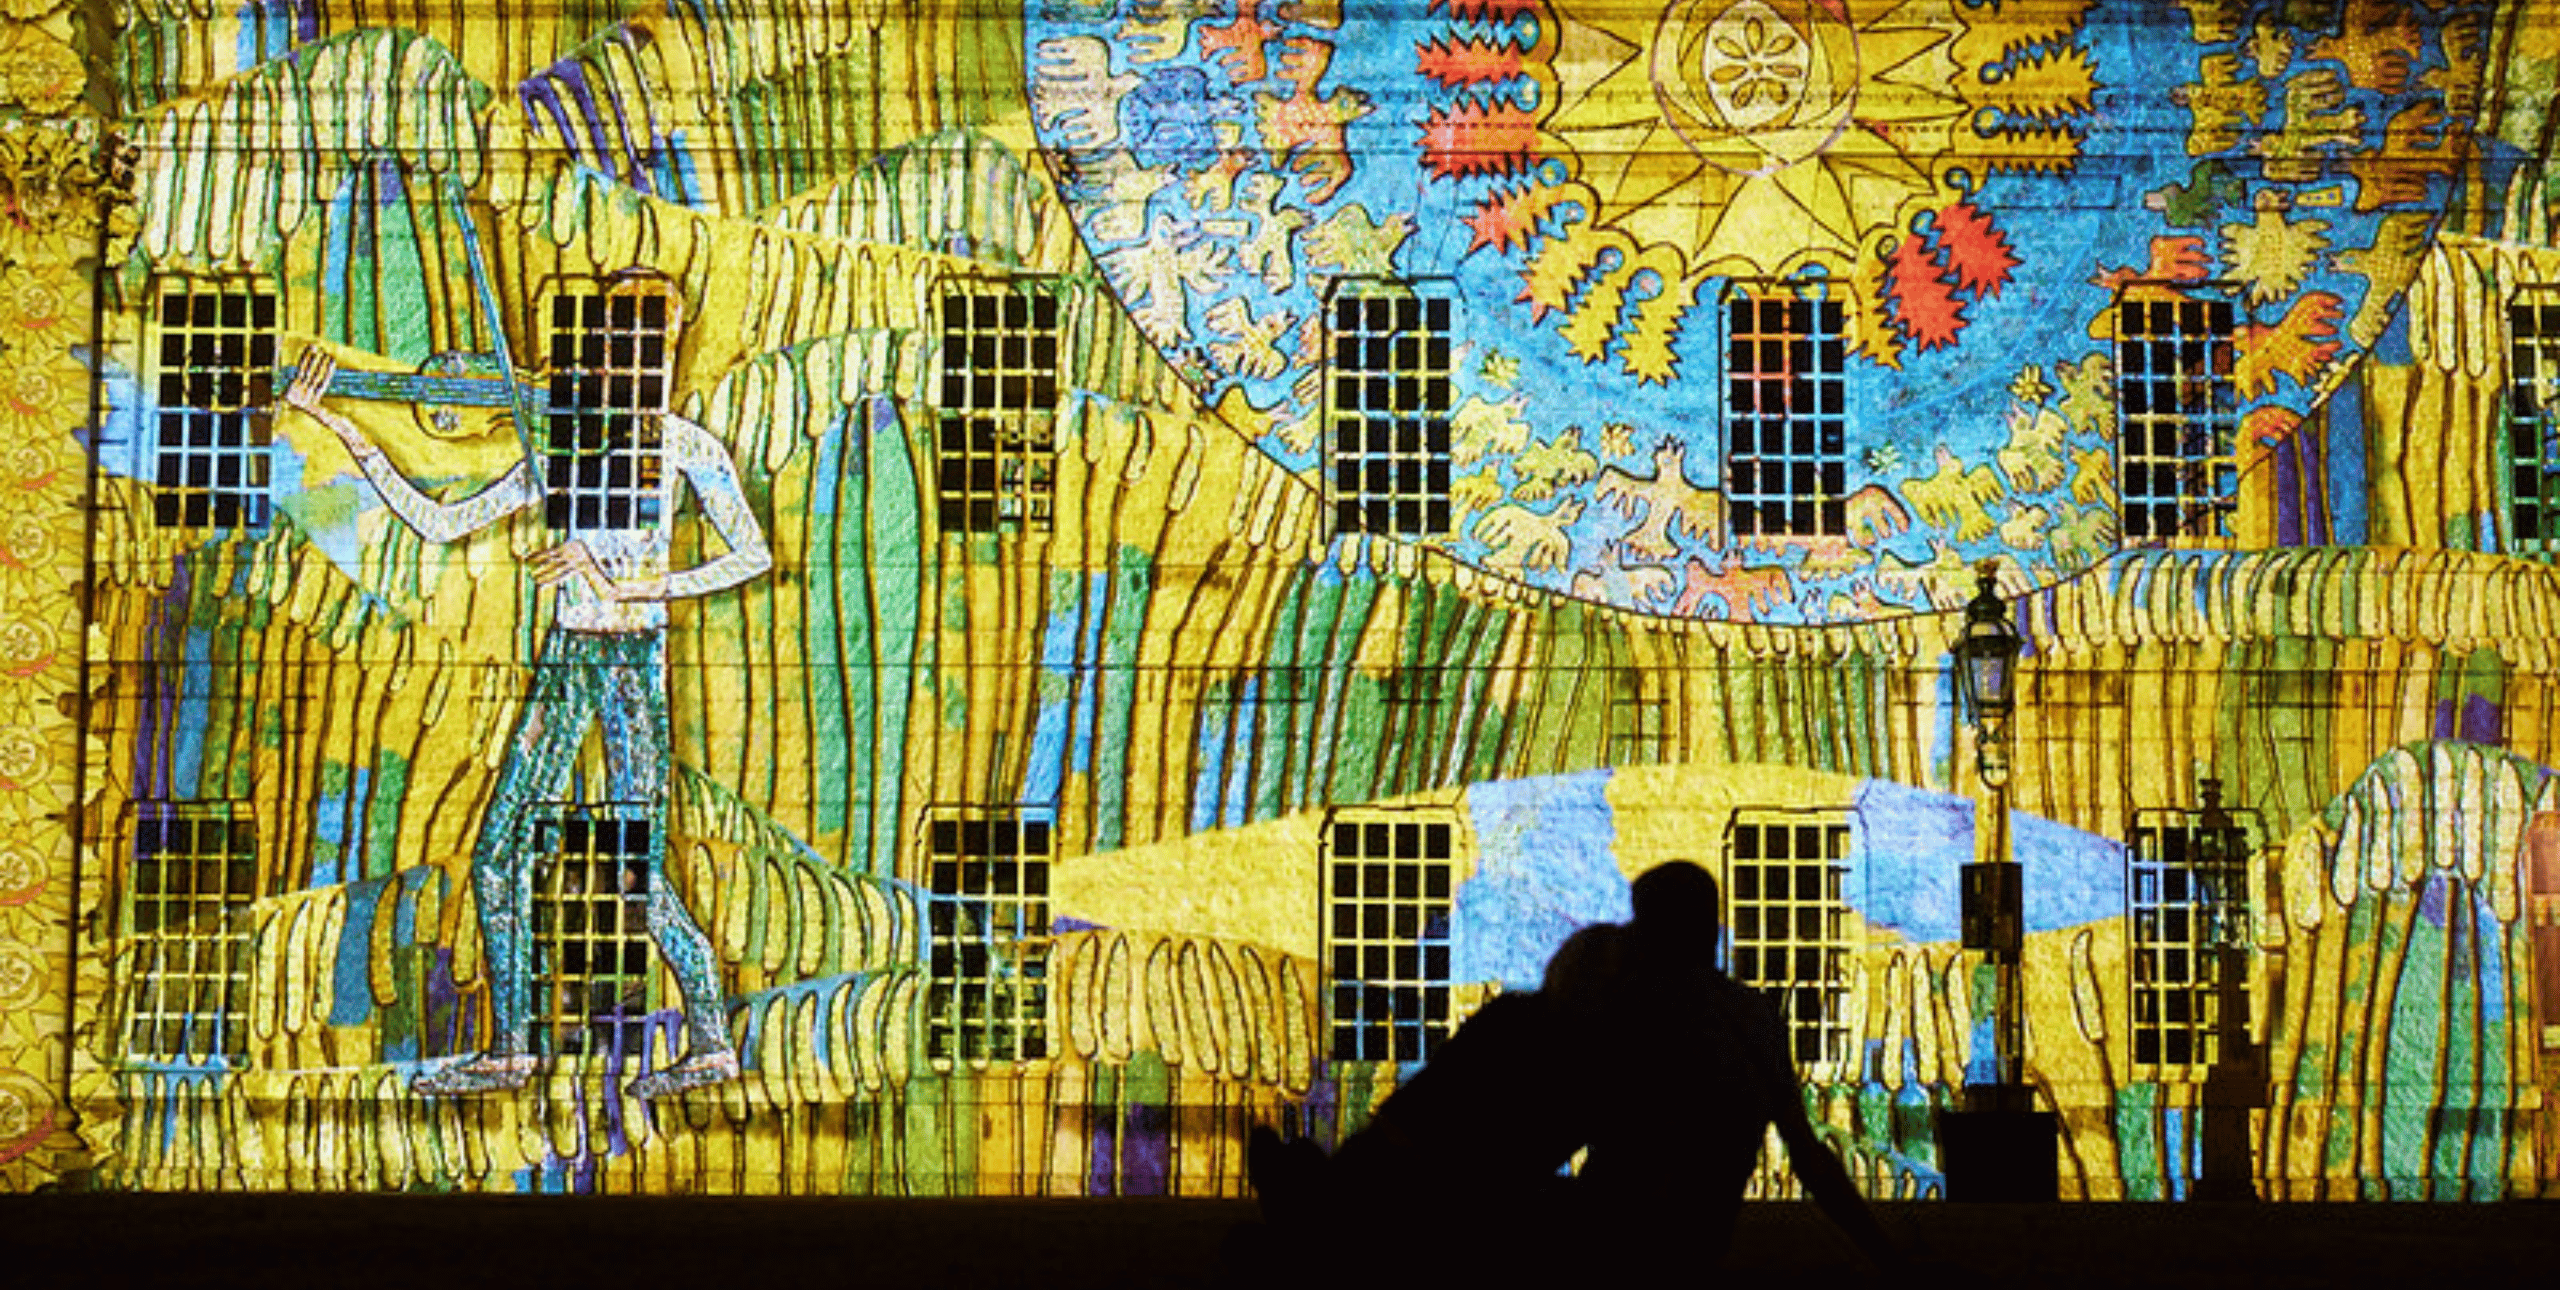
(761, 597)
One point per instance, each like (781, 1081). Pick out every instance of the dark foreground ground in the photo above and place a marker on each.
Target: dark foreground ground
(463, 1242)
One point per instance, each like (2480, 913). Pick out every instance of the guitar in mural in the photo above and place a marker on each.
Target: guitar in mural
(605, 482)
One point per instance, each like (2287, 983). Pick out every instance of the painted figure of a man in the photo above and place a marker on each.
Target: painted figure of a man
(608, 486)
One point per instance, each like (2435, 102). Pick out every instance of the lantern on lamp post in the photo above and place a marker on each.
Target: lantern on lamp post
(1994, 905)
(1987, 677)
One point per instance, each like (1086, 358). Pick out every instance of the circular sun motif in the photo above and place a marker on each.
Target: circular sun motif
(1748, 90)
(1808, 125)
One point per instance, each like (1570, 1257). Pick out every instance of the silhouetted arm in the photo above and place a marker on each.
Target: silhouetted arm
(1816, 1166)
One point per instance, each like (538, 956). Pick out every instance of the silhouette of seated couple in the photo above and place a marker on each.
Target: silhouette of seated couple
(1636, 1050)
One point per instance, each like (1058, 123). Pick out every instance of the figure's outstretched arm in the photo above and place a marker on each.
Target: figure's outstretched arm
(436, 521)
(714, 480)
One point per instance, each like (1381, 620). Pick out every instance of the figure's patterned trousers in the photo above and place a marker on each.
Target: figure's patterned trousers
(617, 680)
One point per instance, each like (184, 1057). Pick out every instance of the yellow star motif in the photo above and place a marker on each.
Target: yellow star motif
(1756, 136)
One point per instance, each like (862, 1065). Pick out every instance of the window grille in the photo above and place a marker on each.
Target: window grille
(1789, 917)
(1786, 420)
(591, 928)
(988, 872)
(2177, 417)
(2533, 423)
(1391, 876)
(602, 450)
(2188, 898)
(1387, 346)
(213, 368)
(195, 872)
(995, 449)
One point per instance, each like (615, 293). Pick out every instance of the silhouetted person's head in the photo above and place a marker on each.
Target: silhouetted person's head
(1677, 910)
(1585, 971)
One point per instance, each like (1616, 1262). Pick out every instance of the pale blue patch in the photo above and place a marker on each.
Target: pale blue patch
(1239, 805)
(130, 413)
(1209, 758)
(330, 864)
(2074, 878)
(1915, 843)
(1546, 867)
(311, 510)
(249, 29)
(1982, 1050)
(1040, 782)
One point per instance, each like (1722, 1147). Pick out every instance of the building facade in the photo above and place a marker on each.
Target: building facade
(912, 598)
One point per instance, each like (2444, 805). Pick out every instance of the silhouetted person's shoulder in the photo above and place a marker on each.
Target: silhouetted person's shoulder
(1493, 1108)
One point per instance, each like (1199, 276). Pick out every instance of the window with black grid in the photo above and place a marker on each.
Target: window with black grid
(601, 439)
(1786, 467)
(2533, 423)
(591, 928)
(988, 873)
(195, 872)
(995, 448)
(213, 370)
(2188, 899)
(1390, 881)
(2177, 417)
(1388, 350)
(1784, 877)
(1639, 718)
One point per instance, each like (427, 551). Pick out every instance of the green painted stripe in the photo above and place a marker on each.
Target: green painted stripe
(893, 517)
(1124, 624)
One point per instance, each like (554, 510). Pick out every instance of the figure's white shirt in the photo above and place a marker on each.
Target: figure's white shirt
(690, 454)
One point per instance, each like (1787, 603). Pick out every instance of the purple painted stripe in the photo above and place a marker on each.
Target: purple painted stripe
(536, 96)
(2482, 721)
(1146, 1155)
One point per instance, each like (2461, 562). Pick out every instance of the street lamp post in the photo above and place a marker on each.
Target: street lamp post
(1998, 1147)
(1994, 895)
(2235, 1081)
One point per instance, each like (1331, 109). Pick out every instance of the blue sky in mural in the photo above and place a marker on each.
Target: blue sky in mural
(1225, 172)
(1545, 867)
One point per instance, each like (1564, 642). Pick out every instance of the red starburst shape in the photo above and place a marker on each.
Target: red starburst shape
(1486, 10)
(1977, 252)
(1922, 296)
(1478, 140)
(1459, 64)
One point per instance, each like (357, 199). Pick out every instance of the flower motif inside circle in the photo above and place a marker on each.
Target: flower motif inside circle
(1759, 62)
(22, 759)
(21, 977)
(26, 647)
(20, 871)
